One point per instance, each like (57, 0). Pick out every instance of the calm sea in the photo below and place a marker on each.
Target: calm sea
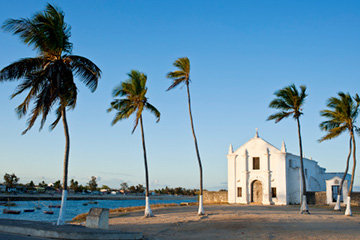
(76, 207)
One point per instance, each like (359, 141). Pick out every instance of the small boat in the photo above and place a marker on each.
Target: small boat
(8, 211)
(37, 205)
(49, 212)
(10, 204)
(29, 210)
(93, 202)
(54, 206)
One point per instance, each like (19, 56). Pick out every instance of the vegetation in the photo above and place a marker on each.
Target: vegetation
(49, 77)
(341, 115)
(290, 102)
(31, 185)
(42, 184)
(92, 184)
(177, 191)
(181, 77)
(74, 185)
(124, 186)
(57, 184)
(137, 189)
(105, 187)
(134, 102)
(11, 180)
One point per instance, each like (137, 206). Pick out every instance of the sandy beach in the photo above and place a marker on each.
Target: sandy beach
(226, 221)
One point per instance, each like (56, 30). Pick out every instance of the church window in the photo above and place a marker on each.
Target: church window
(306, 176)
(239, 192)
(273, 192)
(256, 163)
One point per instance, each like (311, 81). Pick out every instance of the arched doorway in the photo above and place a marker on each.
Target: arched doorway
(256, 192)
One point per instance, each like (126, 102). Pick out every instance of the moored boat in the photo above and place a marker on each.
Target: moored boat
(29, 210)
(8, 211)
(54, 206)
(49, 212)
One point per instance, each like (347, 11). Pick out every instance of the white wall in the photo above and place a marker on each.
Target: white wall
(278, 169)
(271, 172)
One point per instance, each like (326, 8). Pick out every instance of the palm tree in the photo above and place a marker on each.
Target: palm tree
(49, 77)
(182, 76)
(341, 115)
(134, 90)
(290, 101)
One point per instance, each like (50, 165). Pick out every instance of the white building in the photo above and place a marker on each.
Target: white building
(259, 172)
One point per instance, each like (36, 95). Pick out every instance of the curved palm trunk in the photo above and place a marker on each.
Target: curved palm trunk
(201, 208)
(337, 205)
(348, 204)
(148, 212)
(304, 207)
(61, 219)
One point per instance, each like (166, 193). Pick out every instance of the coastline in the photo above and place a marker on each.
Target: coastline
(57, 196)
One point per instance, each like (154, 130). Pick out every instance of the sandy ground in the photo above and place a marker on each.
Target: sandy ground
(241, 222)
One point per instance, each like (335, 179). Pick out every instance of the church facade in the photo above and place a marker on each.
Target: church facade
(258, 172)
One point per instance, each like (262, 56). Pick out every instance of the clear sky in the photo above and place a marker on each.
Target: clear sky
(241, 52)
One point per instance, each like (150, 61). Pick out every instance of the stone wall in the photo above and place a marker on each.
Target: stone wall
(355, 198)
(215, 196)
(319, 198)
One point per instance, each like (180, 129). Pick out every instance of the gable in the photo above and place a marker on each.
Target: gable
(255, 146)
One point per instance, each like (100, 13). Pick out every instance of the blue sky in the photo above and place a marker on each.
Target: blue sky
(240, 53)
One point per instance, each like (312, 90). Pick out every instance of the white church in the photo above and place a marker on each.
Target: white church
(258, 172)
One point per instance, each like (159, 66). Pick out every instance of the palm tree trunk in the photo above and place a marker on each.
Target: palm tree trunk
(337, 205)
(148, 212)
(304, 207)
(201, 209)
(61, 219)
(348, 204)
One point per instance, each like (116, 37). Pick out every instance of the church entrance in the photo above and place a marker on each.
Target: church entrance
(256, 192)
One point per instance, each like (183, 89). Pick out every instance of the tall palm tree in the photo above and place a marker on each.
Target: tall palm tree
(134, 102)
(182, 76)
(49, 77)
(341, 115)
(290, 101)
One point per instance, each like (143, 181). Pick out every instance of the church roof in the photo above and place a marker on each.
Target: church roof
(257, 142)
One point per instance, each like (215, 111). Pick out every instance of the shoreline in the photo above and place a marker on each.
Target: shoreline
(36, 197)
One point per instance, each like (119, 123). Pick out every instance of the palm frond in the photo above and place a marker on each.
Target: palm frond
(48, 78)
(58, 117)
(182, 75)
(332, 133)
(176, 83)
(153, 110)
(341, 115)
(88, 72)
(290, 101)
(279, 116)
(134, 92)
(21, 68)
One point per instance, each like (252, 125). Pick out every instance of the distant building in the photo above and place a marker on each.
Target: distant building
(259, 172)
(2, 188)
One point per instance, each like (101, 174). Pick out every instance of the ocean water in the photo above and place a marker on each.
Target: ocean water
(76, 207)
